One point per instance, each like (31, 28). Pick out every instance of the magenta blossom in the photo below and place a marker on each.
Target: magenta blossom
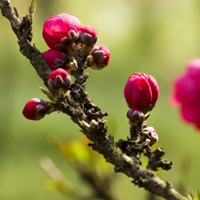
(58, 79)
(90, 30)
(35, 109)
(88, 35)
(51, 56)
(100, 57)
(141, 91)
(186, 92)
(57, 27)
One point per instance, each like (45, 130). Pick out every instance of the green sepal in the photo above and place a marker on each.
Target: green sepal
(31, 9)
(48, 94)
(59, 187)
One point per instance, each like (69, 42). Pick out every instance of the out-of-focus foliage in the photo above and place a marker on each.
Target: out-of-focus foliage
(90, 166)
(154, 37)
(191, 196)
(80, 155)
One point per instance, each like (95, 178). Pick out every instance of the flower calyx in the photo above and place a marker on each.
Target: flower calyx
(135, 116)
(59, 82)
(88, 36)
(99, 58)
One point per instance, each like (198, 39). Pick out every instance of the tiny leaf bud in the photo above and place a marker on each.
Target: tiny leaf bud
(152, 134)
(93, 124)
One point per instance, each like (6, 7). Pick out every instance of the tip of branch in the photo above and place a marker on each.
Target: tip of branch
(32, 9)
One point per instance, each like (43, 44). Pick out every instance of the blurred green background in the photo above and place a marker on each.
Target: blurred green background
(156, 37)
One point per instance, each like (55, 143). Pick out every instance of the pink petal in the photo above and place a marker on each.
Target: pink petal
(186, 90)
(137, 91)
(154, 88)
(57, 27)
(51, 56)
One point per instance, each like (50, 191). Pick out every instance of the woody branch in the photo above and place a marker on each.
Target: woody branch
(124, 155)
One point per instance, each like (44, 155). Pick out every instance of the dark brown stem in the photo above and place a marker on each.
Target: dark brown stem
(101, 187)
(22, 27)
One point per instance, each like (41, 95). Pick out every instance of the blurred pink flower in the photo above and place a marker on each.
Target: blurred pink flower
(135, 115)
(186, 92)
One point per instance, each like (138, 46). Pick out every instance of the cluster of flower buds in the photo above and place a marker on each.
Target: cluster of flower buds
(71, 45)
(59, 82)
(68, 40)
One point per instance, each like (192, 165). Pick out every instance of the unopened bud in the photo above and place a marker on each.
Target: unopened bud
(88, 35)
(52, 57)
(60, 26)
(141, 91)
(99, 58)
(35, 109)
(59, 81)
(93, 124)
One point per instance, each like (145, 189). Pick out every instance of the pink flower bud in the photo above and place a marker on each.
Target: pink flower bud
(100, 57)
(35, 109)
(141, 91)
(186, 93)
(52, 57)
(88, 35)
(135, 115)
(57, 27)
(152, 134)
(59, 81)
